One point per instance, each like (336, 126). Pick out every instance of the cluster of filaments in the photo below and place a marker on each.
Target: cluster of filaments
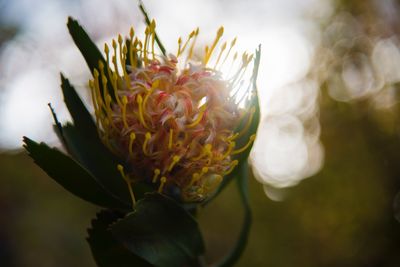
(174, 125)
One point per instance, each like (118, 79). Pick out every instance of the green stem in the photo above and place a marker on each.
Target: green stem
(237, 251)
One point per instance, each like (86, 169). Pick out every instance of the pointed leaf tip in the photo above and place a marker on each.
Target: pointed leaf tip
(69, 174)
(89, 50)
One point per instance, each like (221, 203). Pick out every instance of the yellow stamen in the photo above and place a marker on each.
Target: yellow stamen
(223, 47)
(107, 51)
(112, 75)
(131, 34)
(139, 100)
(171, 131)
(179, 46)
(163, 180)
(122, 56)
(193, 44)
(103, 78)
(227, 152)
(134, 59)
(195, 178)
(229, 50)
(93, 94)
(97, 87)
(106, 124)
(109, 110)
(198, 119)
(146, 42)
(211, 49)
(235, 56)
(146, 140)
(204, 170)
(124, 103)
(139, 47)
(246, 61)
(240, 150)
(156, 174)
(232, 137)
(205, 151)
(121, 170)
(155, 85)
(175, 160)
(114, 81)
(132, 138)
(232, 167)
(153, 35)
(114, 57)
(181, 50)
(97, 114)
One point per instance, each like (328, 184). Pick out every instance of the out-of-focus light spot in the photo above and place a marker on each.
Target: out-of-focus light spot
(274, 193)
(386, 60)
(281, 153)
(358, 76)
(286, 57)
(26, 109)
(296, 98)
(386, 98)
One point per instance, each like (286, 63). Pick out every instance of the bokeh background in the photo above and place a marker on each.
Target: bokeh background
(326, 162)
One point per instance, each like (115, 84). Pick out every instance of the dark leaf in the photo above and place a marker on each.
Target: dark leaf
(102, 164)
(84, 144)
(80, 115)
(57, 126)
(160, 231)
(69, 174)
(106, 251)
(89, 50)
(98, 161)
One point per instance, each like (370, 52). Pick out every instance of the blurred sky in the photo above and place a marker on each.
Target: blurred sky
(285, 150)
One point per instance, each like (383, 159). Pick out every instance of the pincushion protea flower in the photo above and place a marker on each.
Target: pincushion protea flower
(174, 118)
(176, 128)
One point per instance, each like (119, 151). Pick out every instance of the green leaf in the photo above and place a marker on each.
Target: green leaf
(89, 51)
(98, 161)
(160, 231)
(83, 143)
(69, 174)
(80, 115)
(147, 19)
(57, 126)
(238, 249)
(106, 250)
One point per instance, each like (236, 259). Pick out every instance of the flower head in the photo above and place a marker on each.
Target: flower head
(174, 119)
